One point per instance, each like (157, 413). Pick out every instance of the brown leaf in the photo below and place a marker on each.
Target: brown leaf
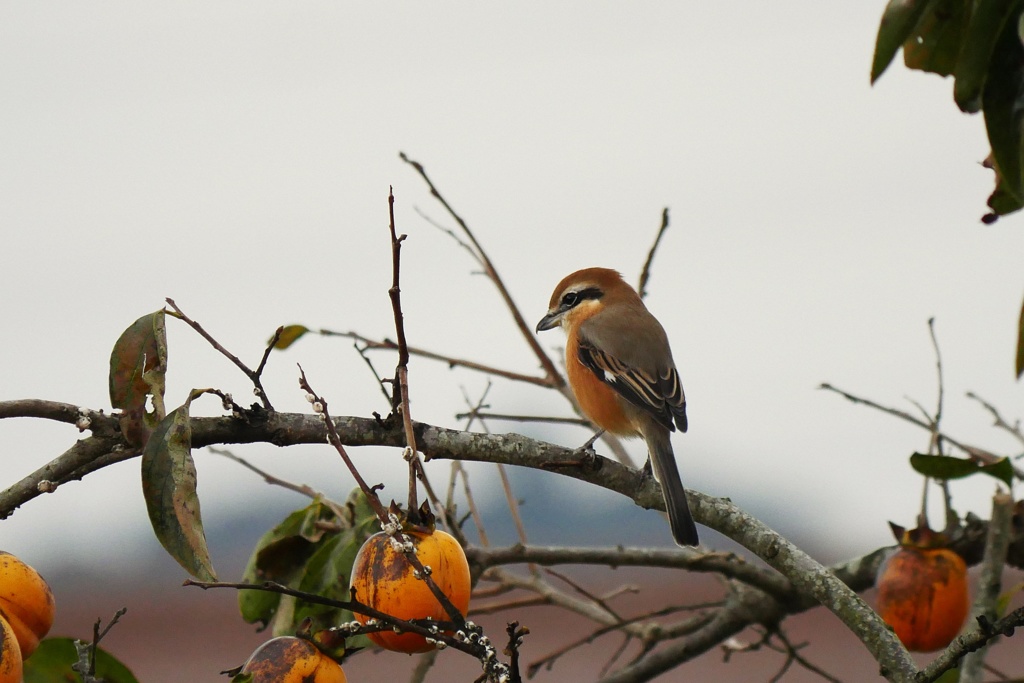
(138, 365)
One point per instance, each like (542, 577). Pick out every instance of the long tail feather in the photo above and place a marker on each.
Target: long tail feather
(663, 463)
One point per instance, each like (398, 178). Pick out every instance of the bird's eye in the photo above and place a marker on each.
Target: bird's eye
(570, 299)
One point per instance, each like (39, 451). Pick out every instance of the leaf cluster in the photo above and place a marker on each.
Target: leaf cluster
(978, 43)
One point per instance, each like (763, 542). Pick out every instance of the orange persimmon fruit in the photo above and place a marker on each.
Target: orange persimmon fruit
(922, 591)
(26, 602)
(10, 654)
(385, 580)
(287, 659)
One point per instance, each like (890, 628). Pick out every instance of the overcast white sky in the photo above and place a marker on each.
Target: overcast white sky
(236, 156)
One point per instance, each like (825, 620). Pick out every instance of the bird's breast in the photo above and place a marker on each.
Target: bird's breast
(599, 402)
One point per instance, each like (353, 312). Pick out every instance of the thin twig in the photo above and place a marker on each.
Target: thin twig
(597, 600)
(97, 636)
(542, 419)
(937, 420)
(652, 635)
(645, 273)
(386, 621)
(506, 483)
(452, 362)
(303, 489)
(792, 653)
(320, 408)
(727, 564)
(459, 471)
(969, 642)
(270, 347)
(947, 498)
(550, 370)
(383, 515)
(253, 376)
(380, 382)
(401, 384)
(1013, 429)
(979, 454)
(451, 233)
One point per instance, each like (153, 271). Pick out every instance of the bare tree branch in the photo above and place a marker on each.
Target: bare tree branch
(727, 564)
(550, 370)
(985, 606)
(978, 454)
(645, 273)
(387, 344)
(253, 375)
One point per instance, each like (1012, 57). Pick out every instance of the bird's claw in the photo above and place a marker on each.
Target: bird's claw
(585, 457)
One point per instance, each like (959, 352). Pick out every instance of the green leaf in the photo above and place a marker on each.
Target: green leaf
(1020, 343)
(947, 467)
(289, 335)
(51, 663)
(934, 44)
(138, 365)
(300, 554)
(1002, 121)
(949, 676)
(169, 487)
(326, 574)
(987, 22)
(278, 556)
(898, 20)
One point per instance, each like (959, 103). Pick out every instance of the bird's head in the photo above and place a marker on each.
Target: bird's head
(580, 295)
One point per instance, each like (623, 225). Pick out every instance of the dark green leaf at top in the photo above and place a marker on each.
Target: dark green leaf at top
(898, 21)
(988, 20)
(934, 44)
(1001, 101)
(947, 467)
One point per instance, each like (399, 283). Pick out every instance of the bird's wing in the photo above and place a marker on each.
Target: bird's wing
(660, 394)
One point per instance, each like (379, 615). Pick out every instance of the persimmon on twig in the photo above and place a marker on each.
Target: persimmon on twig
(424, 627)
(400, 385)
(384, 516)
(320, 408)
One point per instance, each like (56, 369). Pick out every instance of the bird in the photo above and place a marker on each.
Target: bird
(619, 366)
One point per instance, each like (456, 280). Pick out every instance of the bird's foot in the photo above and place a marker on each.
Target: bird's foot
(584, 457)
(646, 471)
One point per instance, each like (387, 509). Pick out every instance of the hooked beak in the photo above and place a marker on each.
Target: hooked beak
(553, 319)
